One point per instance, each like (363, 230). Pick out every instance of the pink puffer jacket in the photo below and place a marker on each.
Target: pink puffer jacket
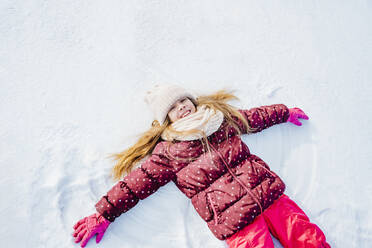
(228, 187)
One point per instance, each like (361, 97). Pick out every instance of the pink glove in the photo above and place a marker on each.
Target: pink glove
(88, 227)
(295, 113)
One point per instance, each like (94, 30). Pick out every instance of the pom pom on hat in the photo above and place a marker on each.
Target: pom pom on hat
(163, 95)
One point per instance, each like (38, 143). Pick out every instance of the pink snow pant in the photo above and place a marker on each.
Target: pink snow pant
(286, 222)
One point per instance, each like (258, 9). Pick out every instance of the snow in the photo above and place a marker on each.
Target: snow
(73, 75)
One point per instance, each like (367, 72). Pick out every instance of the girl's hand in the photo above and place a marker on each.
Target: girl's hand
(88, 227)
(294, 114)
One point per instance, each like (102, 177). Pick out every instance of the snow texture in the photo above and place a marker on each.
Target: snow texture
(73, 75)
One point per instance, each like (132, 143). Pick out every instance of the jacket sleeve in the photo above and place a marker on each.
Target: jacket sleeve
(140, 183)
(264, 116)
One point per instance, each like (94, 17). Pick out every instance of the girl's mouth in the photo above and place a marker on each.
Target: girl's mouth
(187, 112)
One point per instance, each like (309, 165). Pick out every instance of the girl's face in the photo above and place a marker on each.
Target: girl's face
(183, 107)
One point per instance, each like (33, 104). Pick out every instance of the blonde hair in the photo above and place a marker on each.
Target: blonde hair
(126, 160)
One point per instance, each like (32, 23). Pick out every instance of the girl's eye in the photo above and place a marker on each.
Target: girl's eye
(174, 106)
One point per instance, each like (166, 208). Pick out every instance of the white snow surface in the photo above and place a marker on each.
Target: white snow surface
(73, 76)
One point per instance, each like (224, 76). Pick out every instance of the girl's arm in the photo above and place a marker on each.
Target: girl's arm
(264, 116)
(137, 185)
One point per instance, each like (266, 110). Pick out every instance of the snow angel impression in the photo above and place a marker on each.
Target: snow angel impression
(195, 141)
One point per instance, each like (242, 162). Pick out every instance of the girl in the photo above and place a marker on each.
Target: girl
(195, 142)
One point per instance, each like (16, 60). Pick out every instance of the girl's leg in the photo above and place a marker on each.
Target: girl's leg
(255, 235)
(290, 225)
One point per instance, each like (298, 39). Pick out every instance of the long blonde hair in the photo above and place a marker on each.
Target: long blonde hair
(126, 160)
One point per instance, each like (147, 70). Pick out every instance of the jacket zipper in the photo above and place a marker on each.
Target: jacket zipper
(238, 180)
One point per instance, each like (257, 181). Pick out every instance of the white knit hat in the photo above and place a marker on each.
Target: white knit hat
(162, 96)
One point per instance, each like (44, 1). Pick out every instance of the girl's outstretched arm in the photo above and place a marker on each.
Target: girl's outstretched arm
(140, 183)
(264, 116)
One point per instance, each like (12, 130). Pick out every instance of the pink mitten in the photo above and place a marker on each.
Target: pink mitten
(294, 114)
(88, 227)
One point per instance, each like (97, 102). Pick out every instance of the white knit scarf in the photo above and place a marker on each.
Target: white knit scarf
(204, 118)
